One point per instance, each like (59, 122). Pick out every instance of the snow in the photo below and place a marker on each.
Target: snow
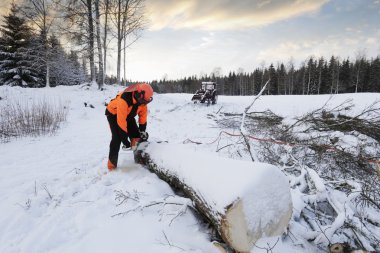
(297, 105)
(222, 181)
(55, 197)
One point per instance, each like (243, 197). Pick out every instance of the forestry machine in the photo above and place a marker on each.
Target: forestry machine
(206, 94)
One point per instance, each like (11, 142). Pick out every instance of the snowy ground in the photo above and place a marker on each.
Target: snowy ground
(55, 197)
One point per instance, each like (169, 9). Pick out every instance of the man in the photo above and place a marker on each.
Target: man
(121, 112)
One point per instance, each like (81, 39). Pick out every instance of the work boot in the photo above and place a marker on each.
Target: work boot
(134, 143)
(111, 166)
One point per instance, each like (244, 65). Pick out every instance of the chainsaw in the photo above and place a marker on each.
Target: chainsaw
(136, 141)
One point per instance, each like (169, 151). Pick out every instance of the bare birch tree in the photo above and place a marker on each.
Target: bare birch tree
(105, 42)
(337, 76)
(79, 25)
(39, 14)
(91, 40)
(99, 44)
(290, 70)
(128, 18)
(360, 56)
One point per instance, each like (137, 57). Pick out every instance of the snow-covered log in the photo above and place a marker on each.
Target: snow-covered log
(243, 200)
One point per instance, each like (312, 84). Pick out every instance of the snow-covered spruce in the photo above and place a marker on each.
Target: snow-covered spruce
(244, 201)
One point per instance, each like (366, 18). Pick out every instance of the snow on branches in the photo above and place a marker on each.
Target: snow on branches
(331, 157)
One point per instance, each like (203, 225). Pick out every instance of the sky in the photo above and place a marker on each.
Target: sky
(194, 37)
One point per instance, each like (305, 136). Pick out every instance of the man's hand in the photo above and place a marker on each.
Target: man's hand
(144, 136)
(126, 145)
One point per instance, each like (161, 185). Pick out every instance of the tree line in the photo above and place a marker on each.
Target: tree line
(313, 76)
(66, 42)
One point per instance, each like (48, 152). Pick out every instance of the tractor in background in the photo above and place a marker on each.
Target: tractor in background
(206, 94)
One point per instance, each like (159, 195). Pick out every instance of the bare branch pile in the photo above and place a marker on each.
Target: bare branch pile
(331, 156)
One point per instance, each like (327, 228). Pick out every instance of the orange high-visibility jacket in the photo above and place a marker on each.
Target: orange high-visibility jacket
(124, 106)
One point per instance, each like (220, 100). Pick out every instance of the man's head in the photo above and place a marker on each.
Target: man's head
(142, 92)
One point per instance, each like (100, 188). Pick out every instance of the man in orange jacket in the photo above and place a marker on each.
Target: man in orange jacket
(121, 112)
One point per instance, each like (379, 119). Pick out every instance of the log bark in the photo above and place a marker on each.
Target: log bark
(233, 222)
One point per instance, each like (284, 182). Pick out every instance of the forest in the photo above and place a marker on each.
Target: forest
(313, 76)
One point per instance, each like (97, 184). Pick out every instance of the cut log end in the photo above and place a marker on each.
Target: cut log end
(234, 229)
(237, 233)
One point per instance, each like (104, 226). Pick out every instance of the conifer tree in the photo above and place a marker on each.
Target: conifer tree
(325, 79)
(273, 84)
(345, 76)
(281, 73)
(374, 76)
(65, 69)
(15, 62)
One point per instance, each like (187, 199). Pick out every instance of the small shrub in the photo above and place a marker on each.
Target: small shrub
(23, 118)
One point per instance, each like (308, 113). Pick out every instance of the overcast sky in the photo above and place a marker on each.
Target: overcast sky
(191, 37)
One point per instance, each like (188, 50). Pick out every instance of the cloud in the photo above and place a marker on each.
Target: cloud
(371, 41)
(4, 6)
(225, 14)
(301, 50)
(202, 43)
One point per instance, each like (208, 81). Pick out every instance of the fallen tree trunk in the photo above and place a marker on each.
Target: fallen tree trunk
(244, 201)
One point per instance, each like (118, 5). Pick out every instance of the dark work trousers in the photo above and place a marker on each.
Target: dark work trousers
(119, 136)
